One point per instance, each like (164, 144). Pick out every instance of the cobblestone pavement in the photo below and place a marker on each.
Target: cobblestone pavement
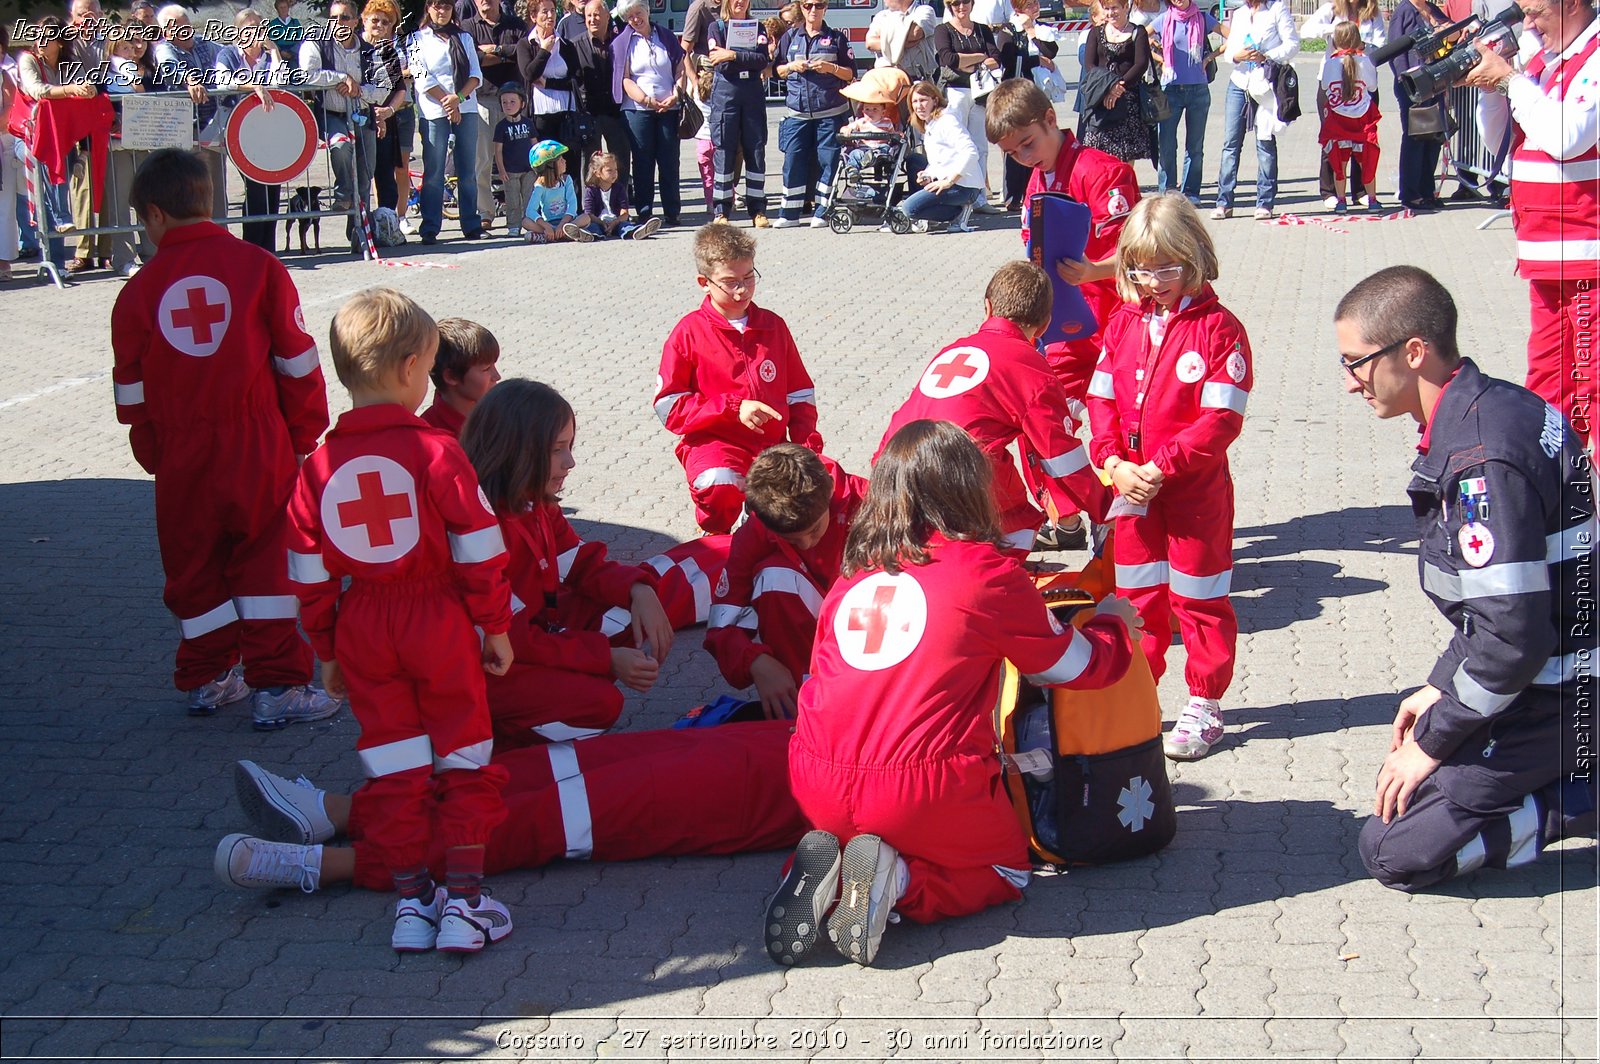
(1253, 936)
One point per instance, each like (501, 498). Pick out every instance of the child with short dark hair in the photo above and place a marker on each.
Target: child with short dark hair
(780, 565)
(731, 380)
(463, 372)
(215, 373)
(513, 140)
(551, 213)
(395, 506)
(605, 201)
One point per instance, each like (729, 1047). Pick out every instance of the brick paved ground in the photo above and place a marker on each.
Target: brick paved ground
(1253, 936)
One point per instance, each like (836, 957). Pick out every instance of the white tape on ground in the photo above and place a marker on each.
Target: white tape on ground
(51, 389)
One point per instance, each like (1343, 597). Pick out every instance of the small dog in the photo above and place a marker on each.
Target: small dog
(305, 198)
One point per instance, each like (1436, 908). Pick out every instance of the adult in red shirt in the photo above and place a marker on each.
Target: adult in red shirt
(894, 746)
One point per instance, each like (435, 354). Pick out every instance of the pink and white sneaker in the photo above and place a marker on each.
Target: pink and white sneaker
(1198, 729)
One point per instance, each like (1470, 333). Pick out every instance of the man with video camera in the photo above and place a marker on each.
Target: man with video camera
(1551, 93)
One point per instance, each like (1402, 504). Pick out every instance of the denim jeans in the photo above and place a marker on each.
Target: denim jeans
(57, 212)
(435, 144)
(945, 206)
(1192, 103)
(1233, 132)
(653, 136)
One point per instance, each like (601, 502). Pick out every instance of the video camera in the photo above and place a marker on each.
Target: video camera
(1449, 60)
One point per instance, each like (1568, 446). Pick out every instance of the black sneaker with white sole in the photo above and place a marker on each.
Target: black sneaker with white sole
(865, 898)
(797, 911)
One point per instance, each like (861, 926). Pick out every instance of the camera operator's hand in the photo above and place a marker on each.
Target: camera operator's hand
(1492, 68)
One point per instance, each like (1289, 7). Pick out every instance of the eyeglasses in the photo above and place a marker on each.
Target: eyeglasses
(1161, 276)
(813, 7)
(959, 3)
(736, 288)
(344, 18)
(1351, 367)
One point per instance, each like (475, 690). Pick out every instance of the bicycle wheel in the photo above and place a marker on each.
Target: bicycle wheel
(452, 209)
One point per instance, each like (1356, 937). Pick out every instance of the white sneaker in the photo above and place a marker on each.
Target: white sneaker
(245, 861)
(577, 233)
(818, 222)
(1263, 213)
(416, 923)
(205, 700)
(408, 225)
(1220, 212)
(797, 911)
(865, 897)
(280, 810)
(1197, 730)
(1331, 202)
(785, 223)
(646, 229)
(467, 927)
(278, 707)
(920, 225)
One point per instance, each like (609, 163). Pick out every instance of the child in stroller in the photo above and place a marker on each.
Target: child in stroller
(873, 166)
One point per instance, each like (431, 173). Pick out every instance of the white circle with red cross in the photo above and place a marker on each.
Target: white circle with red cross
(369, 509)
(768, 370)
(1191, 367)
(193, 315)
(880, 621)
(957, 370)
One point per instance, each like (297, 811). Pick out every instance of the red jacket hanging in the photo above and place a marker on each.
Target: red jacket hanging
(50, 128)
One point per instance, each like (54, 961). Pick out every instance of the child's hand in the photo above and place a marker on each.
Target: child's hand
(497, 654)
(1130, 481)
(775, 684)
(634, 668)
(650, 623)
(754, 414)
(1122, 609)
(333, 680)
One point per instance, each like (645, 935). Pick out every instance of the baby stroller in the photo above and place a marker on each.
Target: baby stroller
(868, 181)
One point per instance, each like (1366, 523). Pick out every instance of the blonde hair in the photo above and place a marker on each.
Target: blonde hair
(1347, 38)
(933, 92)
(374, 333)
(596, 161)
(717, 245)
(1165, 228)
(1356, 10)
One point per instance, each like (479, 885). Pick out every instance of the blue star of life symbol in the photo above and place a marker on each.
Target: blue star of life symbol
(1134, 801)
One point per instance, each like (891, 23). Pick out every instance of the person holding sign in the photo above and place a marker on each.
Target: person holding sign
(738, 111)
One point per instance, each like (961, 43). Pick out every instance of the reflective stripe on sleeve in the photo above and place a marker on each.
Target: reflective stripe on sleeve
(209, 621)
(665, 404)
(719, 475)
(470, 548)
(726, 616)
(1100, 385)
(1219, 396)
(577, 822)
(300, 365)
(307, 568)
(267, 607)
(804, 395)
(615, 621)
(1021, 539)
(398, 756)
(1506, 578)
(517, 605)
(565, 559)
(1200, 587)
(1064, 465)
(789, 582)
(1070, 665)
(700, 584)
(1475, 696)
(129, 394)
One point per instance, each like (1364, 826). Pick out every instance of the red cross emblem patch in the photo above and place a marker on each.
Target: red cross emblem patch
(880, 621)
(952, 372)
(369, 509)
(193, 315)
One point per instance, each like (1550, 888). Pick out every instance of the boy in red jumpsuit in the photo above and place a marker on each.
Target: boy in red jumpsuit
(1166, 401)
(764, 611)
(894, 746)
(214, 374)
(1021, 122)
(393, 504)
(996, 385)
(462, 374)
(731, 382)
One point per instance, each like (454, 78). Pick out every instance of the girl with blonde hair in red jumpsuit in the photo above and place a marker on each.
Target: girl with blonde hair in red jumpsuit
(894, 746)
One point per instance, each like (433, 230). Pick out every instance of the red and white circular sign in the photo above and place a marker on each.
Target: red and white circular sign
(272, 147)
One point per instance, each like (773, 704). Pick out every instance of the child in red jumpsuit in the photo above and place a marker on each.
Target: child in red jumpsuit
(731, 382)
(894, 746)
(214, 374)
(782, 561)
(463, 373)
(1166, 401)
(996, 385)
(392, 503)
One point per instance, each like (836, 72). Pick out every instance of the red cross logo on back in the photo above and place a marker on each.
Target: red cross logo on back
(374, 509)
(369, 509)
(957, 370)
(880, 621)
(874, 619)
(194, 314)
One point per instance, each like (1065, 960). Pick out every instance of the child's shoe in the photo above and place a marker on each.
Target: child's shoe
(1339, 205)
(205, 700)
(797, 910)
(645, 229)
(279, 707)
(1332, 202)
(1198, 729)
(577, 233)
(536, 238)
(244, 861)
(964, 224)
(278, 809)
(1373, 204)
(416, 922)
(868, 889)
(1073, 535)
(466, 927)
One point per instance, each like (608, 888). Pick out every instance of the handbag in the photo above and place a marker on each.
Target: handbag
(983, 80)
(1430, 121)
(578, 131)
(1051, 83)
(692, 119)
(1154, 107)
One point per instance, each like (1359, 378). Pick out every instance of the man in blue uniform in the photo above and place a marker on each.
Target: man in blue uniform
(1492, 760)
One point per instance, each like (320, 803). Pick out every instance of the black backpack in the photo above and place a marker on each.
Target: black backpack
(1286, 87)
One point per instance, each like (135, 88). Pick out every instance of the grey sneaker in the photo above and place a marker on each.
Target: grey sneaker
(466, 927)
(647, 228)
(1198, 729)
(281, 810)
(416, 923)
(577, 233)
(797, 911)
(244, 861)
(278, 707)
(204, 701)
(856, 926)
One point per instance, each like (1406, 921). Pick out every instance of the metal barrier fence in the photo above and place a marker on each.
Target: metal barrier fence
(114, 197)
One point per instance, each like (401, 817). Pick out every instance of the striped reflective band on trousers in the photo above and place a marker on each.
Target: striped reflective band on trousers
(1070, 665)
(1154, 574)
(577, 822)
(240, 608)
(1523, 823)
(710, 478)
(403, 755)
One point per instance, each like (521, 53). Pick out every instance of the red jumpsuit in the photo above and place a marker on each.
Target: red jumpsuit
(394, 505)
(570, 607)
(895, 734)
(215, 373)
(997, 387)
(708, 367)
(629, 796)
(441, 415)
(1178, 401)
(767, 600)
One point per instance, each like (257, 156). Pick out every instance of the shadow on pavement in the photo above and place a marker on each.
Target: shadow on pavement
(1385, 529)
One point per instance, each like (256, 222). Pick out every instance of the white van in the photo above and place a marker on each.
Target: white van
(851, 16)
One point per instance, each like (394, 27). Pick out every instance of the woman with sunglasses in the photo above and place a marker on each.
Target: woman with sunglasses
(816, 63)
(1165, 403)
(969, 66)
(444, 62)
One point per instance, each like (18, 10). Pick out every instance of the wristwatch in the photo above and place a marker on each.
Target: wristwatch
(1503, 86)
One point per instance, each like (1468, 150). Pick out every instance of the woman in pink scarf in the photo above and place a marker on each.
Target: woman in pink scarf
(1182, 31)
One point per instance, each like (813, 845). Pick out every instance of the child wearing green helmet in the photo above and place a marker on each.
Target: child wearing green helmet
(552, 211)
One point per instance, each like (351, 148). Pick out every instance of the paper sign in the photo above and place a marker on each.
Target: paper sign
(743, 33)
(150, 122)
